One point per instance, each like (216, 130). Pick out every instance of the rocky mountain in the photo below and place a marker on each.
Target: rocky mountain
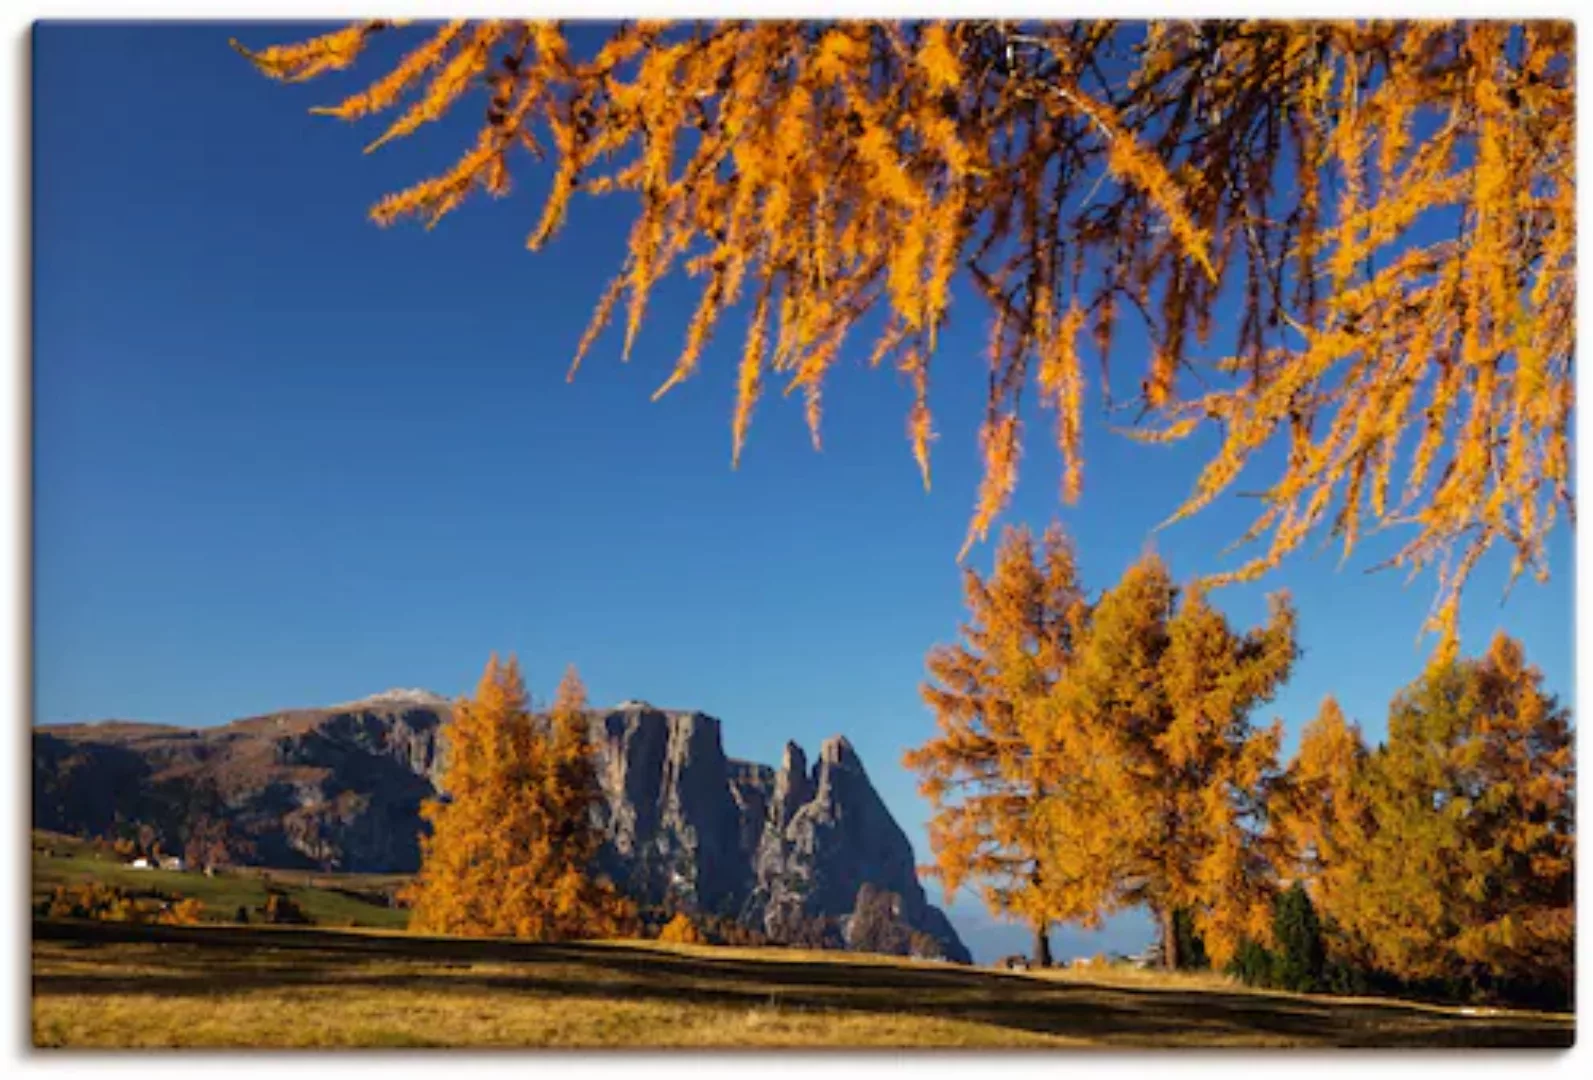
(341, 787)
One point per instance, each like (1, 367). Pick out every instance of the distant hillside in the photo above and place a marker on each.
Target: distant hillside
(340, 788)
(359, 900)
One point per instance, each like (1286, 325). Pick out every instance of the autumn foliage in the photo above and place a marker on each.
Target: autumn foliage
(1097, 756)
(1447, 853)
(513, 844)
(1353, 242)
(681, 930)
(983, 772)
(1160, 775)
(1118, 765)
(112, 903)
(1320, 810)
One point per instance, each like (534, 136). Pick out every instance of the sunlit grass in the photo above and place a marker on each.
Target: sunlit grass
(98, 985)
(332, 1016)
(1130, 975)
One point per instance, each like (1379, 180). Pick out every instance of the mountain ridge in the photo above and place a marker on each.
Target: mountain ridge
(340, 787)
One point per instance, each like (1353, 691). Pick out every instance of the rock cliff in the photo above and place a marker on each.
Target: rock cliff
(341, 788)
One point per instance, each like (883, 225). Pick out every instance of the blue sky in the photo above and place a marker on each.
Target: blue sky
(284, 457)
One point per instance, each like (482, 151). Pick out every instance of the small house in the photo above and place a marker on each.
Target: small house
(1149, 957)
(140, 863)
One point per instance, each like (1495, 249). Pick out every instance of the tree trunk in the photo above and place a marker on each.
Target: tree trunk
(1170, 957)
(1042, 939)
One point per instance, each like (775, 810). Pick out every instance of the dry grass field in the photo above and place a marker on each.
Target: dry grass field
(113, 985)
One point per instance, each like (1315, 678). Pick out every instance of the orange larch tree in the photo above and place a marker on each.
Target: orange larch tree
(486, 745)
(1467, 870)
(1319, 814)
(513, 841)
(1383, 213)
(1157, 794)
(584, 903)
(981, 770)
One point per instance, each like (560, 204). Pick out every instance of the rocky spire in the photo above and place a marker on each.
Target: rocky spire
(792, 786)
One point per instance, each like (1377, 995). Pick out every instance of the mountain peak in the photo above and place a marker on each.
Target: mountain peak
(399, 696)
(837, 750)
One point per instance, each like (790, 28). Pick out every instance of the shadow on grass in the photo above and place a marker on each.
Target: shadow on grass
(202, 961)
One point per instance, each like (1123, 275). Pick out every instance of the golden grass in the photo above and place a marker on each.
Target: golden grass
(330, 1017)
(1128, 975)
(111, 985)
(477, 1004)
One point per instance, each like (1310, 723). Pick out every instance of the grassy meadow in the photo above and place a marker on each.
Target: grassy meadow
(338, 900)
(111, 985)
(356, 980)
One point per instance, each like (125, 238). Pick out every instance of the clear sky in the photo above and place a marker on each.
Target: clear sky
(286, 458)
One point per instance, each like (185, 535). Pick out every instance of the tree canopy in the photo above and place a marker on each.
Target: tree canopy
(1094, 756)
(513, 843)
(1318, 811)
(1463, 861)
(1159, 777)
(1353, 242)
(983, 770)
